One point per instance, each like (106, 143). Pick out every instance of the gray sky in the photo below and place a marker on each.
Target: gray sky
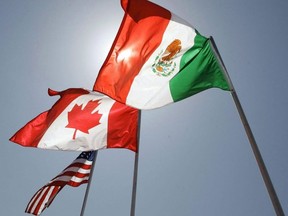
(195, 158)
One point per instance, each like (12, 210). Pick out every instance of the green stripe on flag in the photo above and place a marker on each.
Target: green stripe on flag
(199, 70)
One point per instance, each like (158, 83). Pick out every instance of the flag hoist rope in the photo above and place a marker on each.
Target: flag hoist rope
(88, 185)
(265, 175)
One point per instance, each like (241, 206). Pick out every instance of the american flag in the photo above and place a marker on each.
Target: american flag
(75, 174)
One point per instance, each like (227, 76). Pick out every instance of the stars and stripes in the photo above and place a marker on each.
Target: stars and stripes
(75, 174)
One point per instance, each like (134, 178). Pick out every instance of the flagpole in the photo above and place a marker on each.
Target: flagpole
(133, 200)
(88, 185)
(265, 175)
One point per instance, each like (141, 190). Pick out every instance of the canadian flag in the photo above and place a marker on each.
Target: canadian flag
(81, 120)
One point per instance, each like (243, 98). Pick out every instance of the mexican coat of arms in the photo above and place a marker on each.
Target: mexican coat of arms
(164, 64)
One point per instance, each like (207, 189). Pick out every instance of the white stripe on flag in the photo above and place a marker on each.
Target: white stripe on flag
(36, 202)
(59, 137)
(34, 198)
(47, 197)
(69, 178)
(77, 169)
(154, 90)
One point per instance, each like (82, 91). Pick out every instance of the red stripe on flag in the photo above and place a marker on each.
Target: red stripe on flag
(37, 205)
(78, 174)
(44, 197)
(122, 127)
(79, 164)
(33, 201)
(77, 184)
(40, 202)
(140, 33)
(32, 132)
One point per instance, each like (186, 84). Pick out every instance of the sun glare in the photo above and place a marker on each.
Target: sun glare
(124, 55)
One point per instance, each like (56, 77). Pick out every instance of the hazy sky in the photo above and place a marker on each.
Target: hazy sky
(195, 158)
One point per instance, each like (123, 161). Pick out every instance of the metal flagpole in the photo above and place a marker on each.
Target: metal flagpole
(88, 185)
(265, 175)
(133, 201)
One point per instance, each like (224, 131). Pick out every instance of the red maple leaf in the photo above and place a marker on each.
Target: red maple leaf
(82, 119)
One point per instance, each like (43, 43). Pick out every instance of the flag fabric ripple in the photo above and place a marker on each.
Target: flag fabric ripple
(81, 120)
(157, 58)
(75, 174)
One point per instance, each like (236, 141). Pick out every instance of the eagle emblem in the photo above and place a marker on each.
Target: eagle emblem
(164, 64)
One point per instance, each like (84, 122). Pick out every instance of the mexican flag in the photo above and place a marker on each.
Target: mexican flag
(156, 59)
(81, 120)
